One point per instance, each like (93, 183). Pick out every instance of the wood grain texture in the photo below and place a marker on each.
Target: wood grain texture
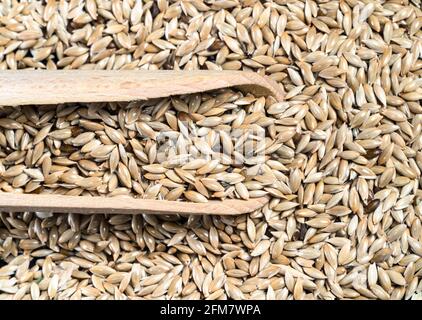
(27, 87)
(14, 202)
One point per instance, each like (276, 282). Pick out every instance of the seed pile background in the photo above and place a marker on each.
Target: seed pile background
(352, 225)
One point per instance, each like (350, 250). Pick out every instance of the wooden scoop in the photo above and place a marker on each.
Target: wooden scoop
(54, 87)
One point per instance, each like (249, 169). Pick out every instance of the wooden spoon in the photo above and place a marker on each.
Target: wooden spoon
(26, 87)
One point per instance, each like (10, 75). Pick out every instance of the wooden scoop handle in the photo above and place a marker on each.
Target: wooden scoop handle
(25, 87)
(18, 202)
(28, 87)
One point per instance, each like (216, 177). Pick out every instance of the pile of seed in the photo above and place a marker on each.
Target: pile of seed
(212, 145)
(347, 223)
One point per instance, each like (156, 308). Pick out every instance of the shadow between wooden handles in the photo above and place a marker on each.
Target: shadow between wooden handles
(28, 87)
